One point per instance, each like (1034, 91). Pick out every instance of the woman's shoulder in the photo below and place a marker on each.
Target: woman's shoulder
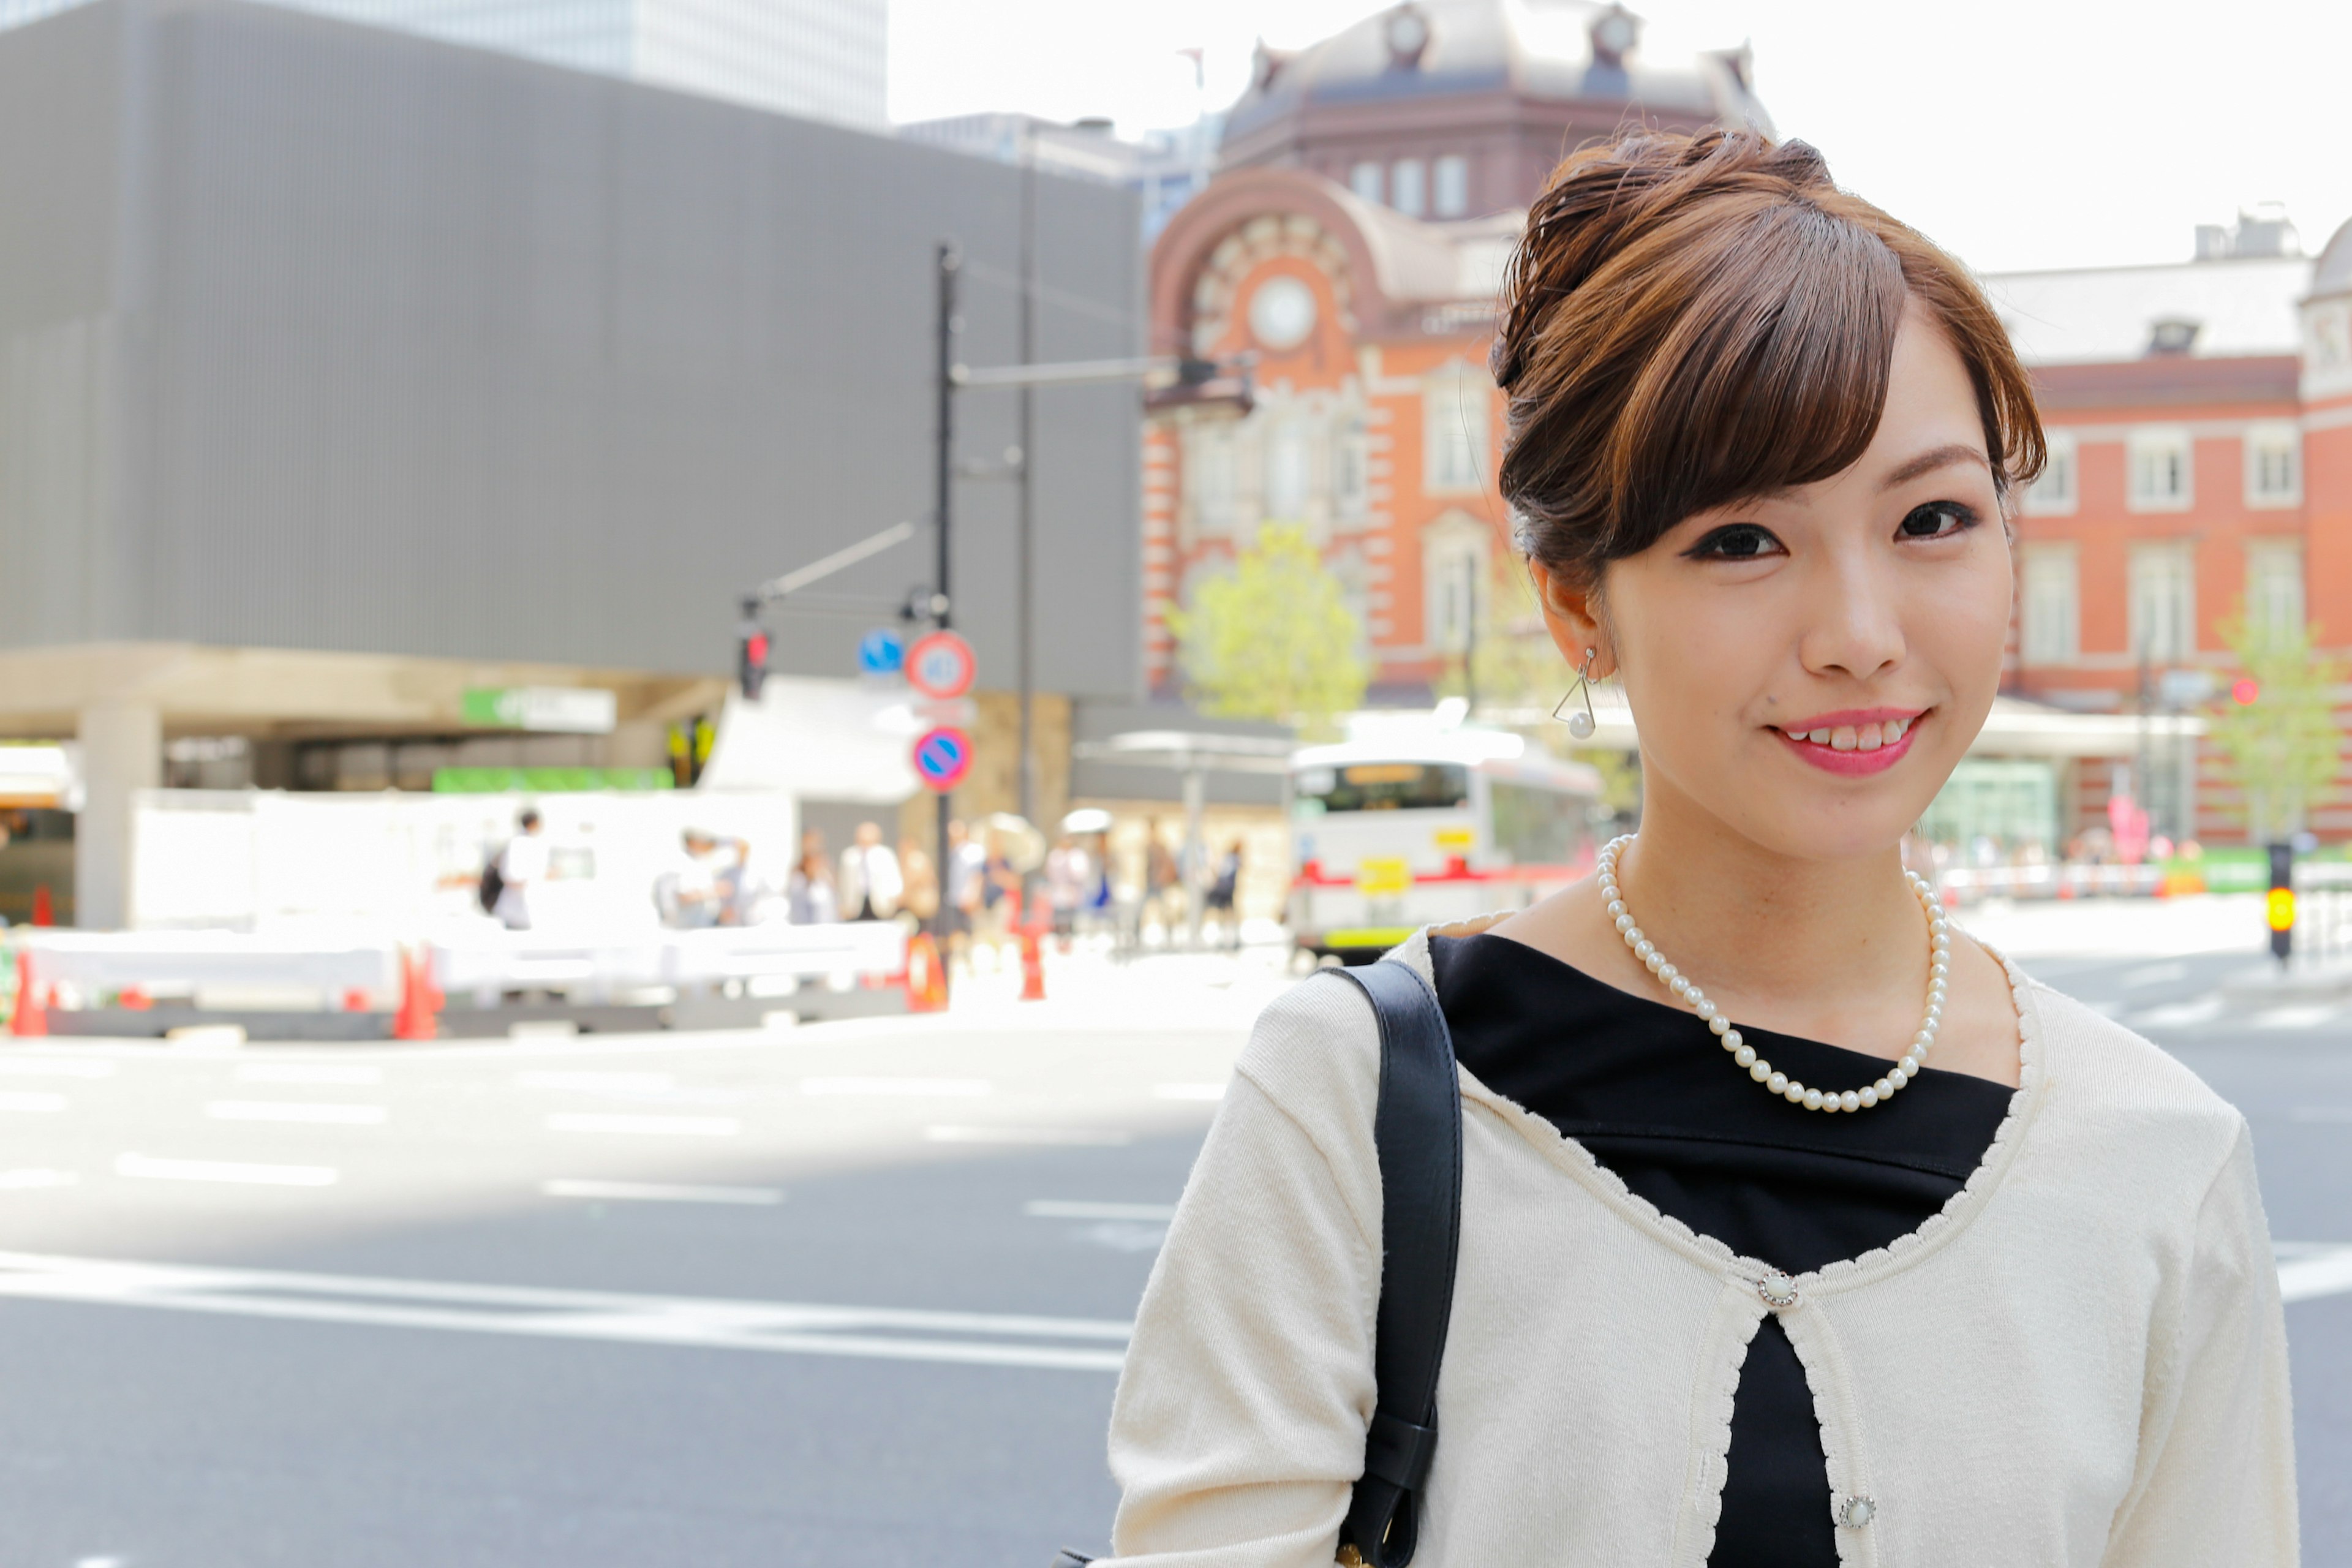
(2100, 1069)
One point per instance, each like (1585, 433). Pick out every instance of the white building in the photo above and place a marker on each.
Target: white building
(819, 59)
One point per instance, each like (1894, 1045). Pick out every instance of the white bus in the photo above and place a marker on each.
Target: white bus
(1394, 833)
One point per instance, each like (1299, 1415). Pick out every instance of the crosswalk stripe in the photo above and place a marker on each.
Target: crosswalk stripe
(981, 1339)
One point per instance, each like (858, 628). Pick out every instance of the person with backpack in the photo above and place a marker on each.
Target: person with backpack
(519, 867)
(1731, 1206)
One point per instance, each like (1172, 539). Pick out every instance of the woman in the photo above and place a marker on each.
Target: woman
(1798, 1229)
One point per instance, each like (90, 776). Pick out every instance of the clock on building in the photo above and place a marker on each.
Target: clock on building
(1408, 35)
(1282, 313)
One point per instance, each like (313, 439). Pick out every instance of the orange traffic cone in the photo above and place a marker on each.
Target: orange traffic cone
(32, 1006)
(1032, 967)
(418, 999)
(927, 977)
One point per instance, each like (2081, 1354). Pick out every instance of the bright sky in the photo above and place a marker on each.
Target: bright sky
(2019, 134)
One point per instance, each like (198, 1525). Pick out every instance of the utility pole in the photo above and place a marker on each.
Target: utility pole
(1026, 558)
(942, 600)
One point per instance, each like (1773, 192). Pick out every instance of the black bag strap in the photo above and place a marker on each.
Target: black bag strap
(1417, 1129)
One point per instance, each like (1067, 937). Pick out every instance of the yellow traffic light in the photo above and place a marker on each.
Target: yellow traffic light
(2282, 909)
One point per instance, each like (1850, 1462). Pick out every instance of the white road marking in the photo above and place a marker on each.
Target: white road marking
(1074, 1136)
(54, 1066)
(1188, 1092)
(659, 1192)
(910, 1088)
(2308, 1017)
(309, 1072)
(2155, 975)
(20, 1181)
(2307, 1271)
(149, 1168)
(31, 1101)
(1070, 1208)
(623, 1081)
(620, 1121)
(1087, 1344)
(337, 1114)
(2181, 1014)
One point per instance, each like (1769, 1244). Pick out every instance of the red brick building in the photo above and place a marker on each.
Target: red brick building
(1370, 189)
(2200, 421)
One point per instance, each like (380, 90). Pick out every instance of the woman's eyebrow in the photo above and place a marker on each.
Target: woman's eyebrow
(1927, 462)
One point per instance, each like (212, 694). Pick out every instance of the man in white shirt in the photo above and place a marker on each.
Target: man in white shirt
(523, 866)
(870, 881)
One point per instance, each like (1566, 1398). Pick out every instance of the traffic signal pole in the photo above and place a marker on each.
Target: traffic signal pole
(943, 600)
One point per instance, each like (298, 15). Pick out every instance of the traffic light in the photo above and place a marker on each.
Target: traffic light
(2278, 909)
(752, 659)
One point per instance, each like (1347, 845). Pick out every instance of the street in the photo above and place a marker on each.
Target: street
(846, 1292)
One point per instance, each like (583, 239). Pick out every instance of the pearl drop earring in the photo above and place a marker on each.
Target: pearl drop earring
(1580, 725)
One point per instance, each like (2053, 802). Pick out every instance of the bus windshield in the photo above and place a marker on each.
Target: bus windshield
(1385, 787)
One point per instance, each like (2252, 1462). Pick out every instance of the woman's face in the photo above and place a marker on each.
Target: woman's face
(1806, 667)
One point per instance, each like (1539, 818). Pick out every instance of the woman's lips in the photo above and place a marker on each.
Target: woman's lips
(1853, 749)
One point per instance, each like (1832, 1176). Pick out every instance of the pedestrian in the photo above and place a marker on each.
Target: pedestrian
(809, 891)
(1224, 889)
(870, 881)
(1796, 1226)
(1163, 882)
(522, 868)
(1066, 874)
(966, 861)
(919, 904)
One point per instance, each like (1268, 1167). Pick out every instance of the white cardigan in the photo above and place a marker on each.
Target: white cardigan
(2080, 1360)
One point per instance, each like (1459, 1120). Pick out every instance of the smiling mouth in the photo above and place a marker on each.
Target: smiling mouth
(1870, 737)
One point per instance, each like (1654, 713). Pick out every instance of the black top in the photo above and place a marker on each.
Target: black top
(1645, 1086)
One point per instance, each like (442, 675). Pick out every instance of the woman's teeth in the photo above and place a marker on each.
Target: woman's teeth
(1857, 737)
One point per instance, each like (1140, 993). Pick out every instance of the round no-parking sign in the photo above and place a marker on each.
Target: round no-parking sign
(940, 666)
(942, 757)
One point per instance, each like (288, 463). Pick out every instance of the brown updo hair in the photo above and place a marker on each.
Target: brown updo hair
(1693, 321)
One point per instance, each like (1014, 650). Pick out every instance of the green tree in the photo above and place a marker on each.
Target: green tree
(2283, 747)
(1273, 638)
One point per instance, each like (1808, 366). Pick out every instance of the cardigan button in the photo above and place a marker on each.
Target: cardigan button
(1780, 1291)
(1856, 1511)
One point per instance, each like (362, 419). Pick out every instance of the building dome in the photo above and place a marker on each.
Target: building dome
(1505, 84)
(2334, 273)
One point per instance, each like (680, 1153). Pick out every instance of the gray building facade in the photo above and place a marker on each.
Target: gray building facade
(375, 362)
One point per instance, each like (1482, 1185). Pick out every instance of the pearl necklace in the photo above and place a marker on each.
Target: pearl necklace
(1939, 936)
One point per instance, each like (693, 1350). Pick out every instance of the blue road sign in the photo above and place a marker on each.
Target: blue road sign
(881, 652)
(942, 757)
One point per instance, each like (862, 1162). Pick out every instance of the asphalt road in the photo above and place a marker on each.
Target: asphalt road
(845, 1294)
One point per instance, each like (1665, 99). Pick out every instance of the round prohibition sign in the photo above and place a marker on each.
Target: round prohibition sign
(940, 666)
(942, 756)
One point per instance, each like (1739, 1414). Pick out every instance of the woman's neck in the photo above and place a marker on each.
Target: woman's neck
(1750, 922)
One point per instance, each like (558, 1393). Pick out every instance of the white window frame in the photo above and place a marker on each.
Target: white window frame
(2281, 439)
(2162, 569)
(2151, 453)
(1369, 180)
(2050, 604)
(1456, 442)
(2275, 598)
(1449, 186)
(1212, 478)
(1288, 494)
(2059, 491)
(1351, 467)
(1455, 560)
(1409, 187)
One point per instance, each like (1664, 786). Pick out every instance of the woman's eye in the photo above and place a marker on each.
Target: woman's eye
(1938, 520)
(1738, 541)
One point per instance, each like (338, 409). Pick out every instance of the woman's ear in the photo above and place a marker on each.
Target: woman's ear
(1572, 615)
